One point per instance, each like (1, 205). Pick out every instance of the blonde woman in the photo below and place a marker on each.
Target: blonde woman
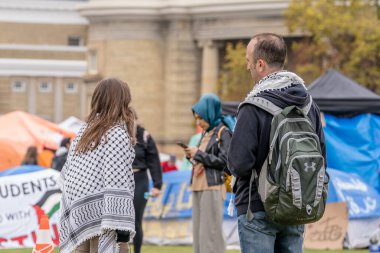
(97, 213)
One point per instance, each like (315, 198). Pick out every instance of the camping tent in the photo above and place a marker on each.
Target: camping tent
(353, 141)
(19, 130)
(337, 94)
(334, 93)
(71, 124)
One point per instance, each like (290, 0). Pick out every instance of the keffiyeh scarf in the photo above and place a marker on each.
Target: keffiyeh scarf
(276, 81)
(97, 193)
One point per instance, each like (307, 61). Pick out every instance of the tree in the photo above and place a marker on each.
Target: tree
(341, 34)
(235, 80)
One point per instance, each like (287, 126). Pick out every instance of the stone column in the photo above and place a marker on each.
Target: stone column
(32, 95)
(181, 81)
(210, 66)
(58, 100)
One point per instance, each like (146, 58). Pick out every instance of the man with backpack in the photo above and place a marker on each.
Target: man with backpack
(277, 154)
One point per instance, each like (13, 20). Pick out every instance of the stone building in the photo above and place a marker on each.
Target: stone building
(168, 51)
(42, 58)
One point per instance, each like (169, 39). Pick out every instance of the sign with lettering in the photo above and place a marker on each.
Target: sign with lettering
(176, 198)
(363, 201)
(329, 232)
(23, 197)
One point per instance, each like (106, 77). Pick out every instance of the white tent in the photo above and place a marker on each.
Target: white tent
(71, 124)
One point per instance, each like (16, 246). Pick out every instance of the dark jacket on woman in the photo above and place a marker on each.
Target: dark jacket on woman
(147, 156)
(214, 158)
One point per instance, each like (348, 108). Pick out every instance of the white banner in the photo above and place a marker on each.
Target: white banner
(22, 199)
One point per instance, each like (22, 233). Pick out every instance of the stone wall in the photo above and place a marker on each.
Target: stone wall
(40, 34)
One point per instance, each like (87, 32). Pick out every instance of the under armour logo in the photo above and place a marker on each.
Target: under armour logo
(307, 167)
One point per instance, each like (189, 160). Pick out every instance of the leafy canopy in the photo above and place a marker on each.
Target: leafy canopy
(235, 80)
(341, 34)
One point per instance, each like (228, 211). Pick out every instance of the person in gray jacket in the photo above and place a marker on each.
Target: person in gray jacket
(209, 161)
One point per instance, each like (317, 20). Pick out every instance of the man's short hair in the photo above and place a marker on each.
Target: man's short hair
(271, 48)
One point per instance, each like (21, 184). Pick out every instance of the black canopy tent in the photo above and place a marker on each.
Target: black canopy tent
(230, 108)
(334, 93)
(337, 94)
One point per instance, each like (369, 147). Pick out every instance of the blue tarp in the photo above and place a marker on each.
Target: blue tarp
(363, 200)
(353, 145)
(21, 170)
(175, 201)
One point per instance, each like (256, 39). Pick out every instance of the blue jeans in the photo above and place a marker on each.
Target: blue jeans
(262, 236)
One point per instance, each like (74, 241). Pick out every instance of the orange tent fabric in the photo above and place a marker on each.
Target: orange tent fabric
(19, 130)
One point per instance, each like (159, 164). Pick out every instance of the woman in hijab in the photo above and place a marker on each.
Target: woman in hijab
(209, 161)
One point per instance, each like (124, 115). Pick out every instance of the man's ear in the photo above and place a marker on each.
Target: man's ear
(261, 65)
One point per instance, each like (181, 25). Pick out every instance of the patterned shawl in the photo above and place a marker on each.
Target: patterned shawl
(276, 81)
(97, 193)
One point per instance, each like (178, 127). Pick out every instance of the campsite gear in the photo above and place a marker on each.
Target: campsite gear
(44, 242)
(337, 94)
(19, 130)
(292, 183)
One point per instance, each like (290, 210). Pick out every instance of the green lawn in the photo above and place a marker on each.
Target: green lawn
(185, 249)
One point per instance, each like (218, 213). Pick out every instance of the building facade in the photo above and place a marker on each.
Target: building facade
(168, 51)
(42, 58)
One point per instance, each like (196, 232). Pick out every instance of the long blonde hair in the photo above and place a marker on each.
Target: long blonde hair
(110, 105)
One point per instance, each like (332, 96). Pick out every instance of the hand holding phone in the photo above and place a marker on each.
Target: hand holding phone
(181, 144)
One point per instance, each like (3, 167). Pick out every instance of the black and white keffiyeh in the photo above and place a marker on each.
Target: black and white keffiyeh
(276, 81)
(97, 193)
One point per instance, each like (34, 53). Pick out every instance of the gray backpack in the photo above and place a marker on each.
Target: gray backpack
(293, 182)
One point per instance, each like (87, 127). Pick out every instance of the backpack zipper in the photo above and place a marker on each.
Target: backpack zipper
(297, 140)
(271, 147)
(292, 133)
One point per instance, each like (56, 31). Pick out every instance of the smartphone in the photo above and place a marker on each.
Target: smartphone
(181, 144)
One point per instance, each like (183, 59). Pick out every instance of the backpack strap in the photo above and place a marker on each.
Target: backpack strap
(307, 107)
(254, 178)
(219, 134)
(264, 104)
(273, 109)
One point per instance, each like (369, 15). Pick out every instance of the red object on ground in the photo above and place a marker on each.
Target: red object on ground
(167, 166)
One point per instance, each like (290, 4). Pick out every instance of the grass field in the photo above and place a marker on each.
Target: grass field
(186, 249)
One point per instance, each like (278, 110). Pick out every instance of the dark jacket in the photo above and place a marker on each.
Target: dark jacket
(59, 158)
(147, 156)
(214, 158)
(250, 142)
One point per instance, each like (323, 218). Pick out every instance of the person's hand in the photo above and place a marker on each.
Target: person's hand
(190, 152)
(155, 192)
